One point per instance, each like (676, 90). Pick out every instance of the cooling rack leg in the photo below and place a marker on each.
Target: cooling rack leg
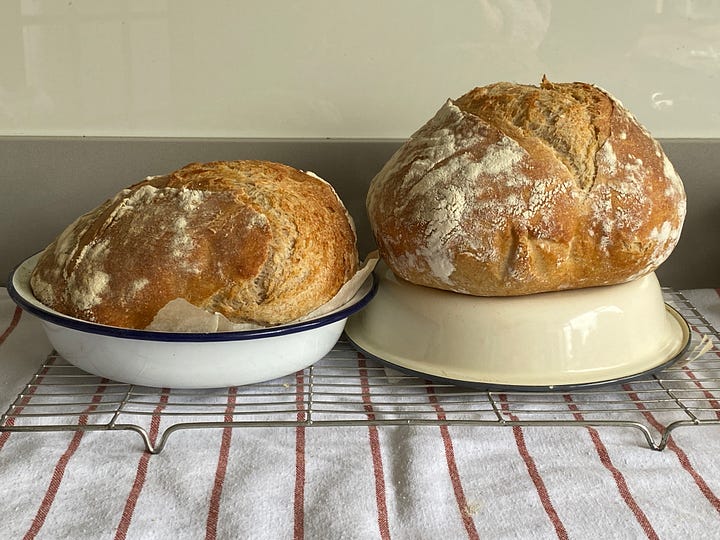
(149, 447)
(665, 440)
(648, 436)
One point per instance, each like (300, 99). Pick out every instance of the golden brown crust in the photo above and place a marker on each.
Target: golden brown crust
(255, 241)
(516, 189)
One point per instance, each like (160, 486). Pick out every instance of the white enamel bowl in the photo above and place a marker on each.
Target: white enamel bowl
(186, 360)
(543, 341)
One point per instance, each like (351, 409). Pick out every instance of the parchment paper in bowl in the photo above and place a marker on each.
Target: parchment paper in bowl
(179, 315)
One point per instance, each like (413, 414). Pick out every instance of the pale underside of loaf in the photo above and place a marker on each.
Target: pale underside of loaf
(256, 241)
(516, 189)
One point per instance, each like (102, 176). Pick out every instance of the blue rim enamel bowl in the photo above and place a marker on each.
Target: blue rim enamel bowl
(186, 360)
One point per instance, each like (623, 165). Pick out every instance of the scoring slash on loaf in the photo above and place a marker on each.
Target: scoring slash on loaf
(518, 189)
(256, 241)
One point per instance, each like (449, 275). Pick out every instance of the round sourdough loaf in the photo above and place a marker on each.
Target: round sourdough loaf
(516, 189)
(255, 241)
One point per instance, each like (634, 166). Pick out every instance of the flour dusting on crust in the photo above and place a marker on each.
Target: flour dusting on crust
(257, 241)
(517, 195)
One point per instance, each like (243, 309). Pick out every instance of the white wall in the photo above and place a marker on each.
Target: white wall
(339, 68)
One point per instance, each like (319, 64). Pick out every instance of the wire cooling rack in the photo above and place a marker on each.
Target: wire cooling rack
(346, 389)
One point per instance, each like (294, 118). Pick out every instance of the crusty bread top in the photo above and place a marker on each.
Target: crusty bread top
(517, 189)
(572, 119)
(256, 241)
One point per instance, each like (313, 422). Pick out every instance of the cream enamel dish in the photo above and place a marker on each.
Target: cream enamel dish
(556, 341)
(186, 360)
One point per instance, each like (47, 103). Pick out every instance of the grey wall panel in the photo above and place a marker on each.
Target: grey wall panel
(45, 183)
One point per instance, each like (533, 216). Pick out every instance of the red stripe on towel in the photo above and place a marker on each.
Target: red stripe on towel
(299, 492)
(533, 472)
(214, 509)
(681, 455)
(61, 465)
(620, 482)
(712, 400)
(452, 466)
(13, 324)
(141, 471)
(5, 435)
(380, 494)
